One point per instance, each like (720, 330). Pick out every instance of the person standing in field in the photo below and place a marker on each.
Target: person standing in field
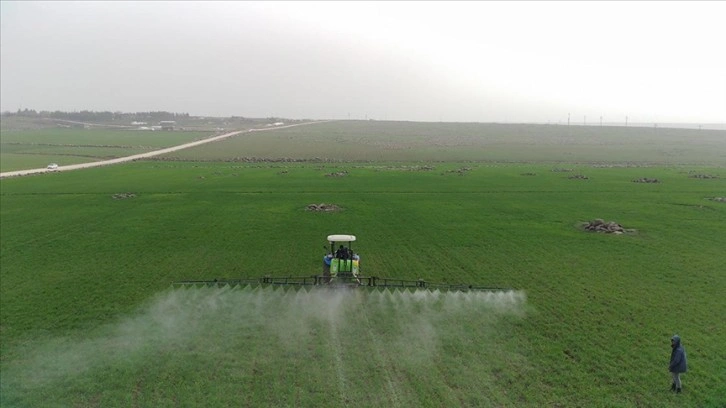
(678, 363)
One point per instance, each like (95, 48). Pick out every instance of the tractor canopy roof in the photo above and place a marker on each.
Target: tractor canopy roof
(341, 238)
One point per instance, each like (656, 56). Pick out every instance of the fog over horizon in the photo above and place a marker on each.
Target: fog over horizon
(654, 62)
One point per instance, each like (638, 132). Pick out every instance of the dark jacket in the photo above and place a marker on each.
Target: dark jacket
(678, 357)
(342, 253)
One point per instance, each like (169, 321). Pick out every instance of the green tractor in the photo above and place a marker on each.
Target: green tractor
(340, 269)
(341, 265)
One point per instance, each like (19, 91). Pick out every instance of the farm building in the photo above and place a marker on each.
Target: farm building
(167, 124)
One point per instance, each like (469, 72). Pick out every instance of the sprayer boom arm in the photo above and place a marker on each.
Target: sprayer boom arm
(359, 281)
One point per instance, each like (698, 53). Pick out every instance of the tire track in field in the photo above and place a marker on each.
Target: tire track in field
(337, 347)
(384, 360)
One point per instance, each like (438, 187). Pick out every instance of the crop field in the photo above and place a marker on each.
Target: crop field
(415, 141)
(28, 149)
(88, 317)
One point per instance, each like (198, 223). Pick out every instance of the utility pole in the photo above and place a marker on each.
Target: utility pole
(568, 119)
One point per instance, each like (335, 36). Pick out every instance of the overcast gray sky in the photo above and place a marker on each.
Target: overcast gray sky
(469, 61)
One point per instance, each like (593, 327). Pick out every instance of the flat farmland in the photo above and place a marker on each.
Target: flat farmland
(415, 141)
(27, 149)
(88, 317)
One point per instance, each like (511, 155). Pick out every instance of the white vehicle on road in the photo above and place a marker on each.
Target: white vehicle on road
(53, 166)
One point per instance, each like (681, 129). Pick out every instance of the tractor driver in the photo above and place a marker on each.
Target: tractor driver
(342, 253)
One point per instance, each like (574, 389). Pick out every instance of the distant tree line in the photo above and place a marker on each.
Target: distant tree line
(105, 116)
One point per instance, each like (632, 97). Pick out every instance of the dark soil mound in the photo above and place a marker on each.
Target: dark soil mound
(599, 225)
(323, 207)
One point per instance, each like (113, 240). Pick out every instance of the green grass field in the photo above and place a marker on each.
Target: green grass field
(28, 149)
(88, 318)
(415, 141)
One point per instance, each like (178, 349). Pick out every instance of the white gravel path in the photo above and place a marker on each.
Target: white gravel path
(144, 155)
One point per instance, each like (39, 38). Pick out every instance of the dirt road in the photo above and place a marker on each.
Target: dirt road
(145, 155)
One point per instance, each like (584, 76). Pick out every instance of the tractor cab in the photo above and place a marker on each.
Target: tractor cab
(341, 264)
